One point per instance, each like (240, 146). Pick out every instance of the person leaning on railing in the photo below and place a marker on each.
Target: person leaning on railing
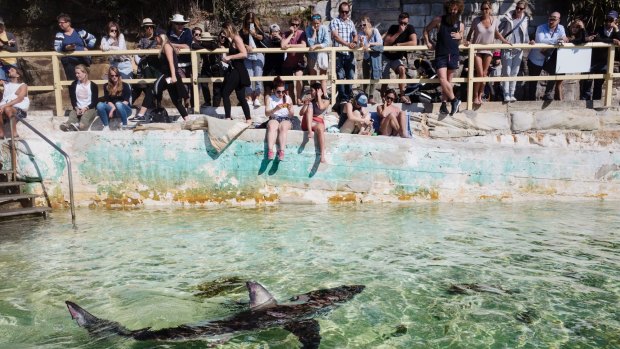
(345, 35)
(252, 34)
(114, 41)
(70, 40)
(549, 33)
(273, 61)
(513, 27)
(294, 63)
(8, 43)
(211, 67)
(371, 63)
(401, 34)
(318, 38)
(607, 33)
(148, 67)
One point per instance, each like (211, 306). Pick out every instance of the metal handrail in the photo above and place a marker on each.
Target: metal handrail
(70, 173)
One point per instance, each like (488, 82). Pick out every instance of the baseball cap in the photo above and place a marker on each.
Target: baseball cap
(274, 28)
(612, 14)
(361, 100)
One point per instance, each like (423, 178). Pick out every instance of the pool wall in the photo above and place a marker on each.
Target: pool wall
(181, 167)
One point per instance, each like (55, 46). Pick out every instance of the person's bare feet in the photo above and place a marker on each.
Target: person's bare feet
(323, 160)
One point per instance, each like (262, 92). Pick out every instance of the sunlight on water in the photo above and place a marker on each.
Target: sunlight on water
(547, 274)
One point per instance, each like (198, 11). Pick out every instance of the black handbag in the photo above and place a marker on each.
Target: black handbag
(159, 115)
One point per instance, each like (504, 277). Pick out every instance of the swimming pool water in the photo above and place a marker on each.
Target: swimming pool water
(553, 270)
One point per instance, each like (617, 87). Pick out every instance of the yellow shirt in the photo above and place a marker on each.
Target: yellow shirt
(11, 61)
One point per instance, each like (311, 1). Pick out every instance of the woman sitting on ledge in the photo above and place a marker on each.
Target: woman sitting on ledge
(116, 97)
(355, 116)
(279, 109)
(312, 115)
(393, 119)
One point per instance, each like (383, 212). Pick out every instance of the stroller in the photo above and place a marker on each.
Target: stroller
(423, 92)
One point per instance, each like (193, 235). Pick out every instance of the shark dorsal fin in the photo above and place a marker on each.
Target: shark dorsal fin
(260, 298)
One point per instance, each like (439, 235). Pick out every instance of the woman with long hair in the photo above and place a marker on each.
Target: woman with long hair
(484, 30)
(113, 41)
(236, 77)
(170, 79)
(279, 110)
(116, 99)
(312, 114)
(252, 34)
(371, 64)
(83, 94)
(393, 119)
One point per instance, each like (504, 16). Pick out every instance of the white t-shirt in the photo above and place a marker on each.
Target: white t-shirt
(275, 101)
(82, 95)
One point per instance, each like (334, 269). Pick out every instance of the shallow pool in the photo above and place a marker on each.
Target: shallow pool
(543, 274)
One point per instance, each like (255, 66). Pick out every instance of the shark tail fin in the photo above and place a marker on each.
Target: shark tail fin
(308, 333)
(259, 296)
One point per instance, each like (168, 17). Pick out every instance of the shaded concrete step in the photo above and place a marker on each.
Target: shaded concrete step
(3, 172)
(15, 197)
(25, 211)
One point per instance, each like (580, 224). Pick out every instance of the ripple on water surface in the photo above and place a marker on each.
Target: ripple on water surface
(534, 275)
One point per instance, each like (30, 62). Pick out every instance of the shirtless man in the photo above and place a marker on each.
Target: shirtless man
(393, 119)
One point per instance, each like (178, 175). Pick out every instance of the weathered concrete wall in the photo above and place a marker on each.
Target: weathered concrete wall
(181, 167)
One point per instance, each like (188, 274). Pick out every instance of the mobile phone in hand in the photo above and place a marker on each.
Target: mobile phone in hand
(252, 27)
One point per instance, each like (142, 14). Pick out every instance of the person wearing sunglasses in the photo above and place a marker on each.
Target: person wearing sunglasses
(294, 63)
(607, 33)
(115, 40)
(180, 37)
(401, 34)
(279, 110)
(318, 38)
(312, 116)
(69, 40)
(344, 34)
(484, 30)
(514, 27)
(116, 99)
(551, 33)
(393, 119)
(371, 63)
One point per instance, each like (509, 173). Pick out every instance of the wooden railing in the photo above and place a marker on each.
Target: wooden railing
(331, 76)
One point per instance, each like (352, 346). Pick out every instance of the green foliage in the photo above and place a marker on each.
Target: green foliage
(592, 12)
(232, 10)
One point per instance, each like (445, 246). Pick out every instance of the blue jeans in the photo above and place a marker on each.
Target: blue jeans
(345, 69)
(123, 110)
(254, 68)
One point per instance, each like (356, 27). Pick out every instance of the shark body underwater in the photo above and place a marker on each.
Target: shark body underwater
(265, 312)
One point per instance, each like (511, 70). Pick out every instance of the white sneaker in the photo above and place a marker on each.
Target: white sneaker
(513, 99)
(105, 129)
(256, 103)
(507, 99)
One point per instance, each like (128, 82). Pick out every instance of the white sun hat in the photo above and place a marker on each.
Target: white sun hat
(178, 18)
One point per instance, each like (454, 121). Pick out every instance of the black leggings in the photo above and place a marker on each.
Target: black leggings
(232, 82)
(176, 91)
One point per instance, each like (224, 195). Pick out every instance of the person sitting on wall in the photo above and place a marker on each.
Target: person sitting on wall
(211, 67)
(609, 34)
(180, 37)
(401, 34)
(8, 43)
(15, 101)
(116, 99)
(70, 40)
(355, 117)
(83, 94)
(312, 114)
(393, 120)
(279, 110)
(148, 67)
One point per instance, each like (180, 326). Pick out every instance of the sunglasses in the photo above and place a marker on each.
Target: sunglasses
(197, 34)
(344, 12)
(62, 22)
(486, 8)
(520, 8)
(113, 31)
(390, 98)
(279, 92)
(113, 75)
(552, 19)
(403, 23)
(295, 24)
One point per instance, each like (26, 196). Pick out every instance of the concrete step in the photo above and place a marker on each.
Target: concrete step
(15, 197)
(11, 184)
(25, 211)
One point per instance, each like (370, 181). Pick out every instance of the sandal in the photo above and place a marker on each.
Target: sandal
(405, 99)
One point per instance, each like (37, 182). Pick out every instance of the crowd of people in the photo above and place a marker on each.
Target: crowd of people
(443, 35)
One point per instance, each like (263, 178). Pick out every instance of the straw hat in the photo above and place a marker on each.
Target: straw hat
(178, 18)
(147, 22)
(206, 36)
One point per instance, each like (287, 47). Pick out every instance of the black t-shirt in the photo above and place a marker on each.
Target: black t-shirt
(403, 37)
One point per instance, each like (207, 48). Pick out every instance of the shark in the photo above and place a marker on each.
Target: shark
(296, 316)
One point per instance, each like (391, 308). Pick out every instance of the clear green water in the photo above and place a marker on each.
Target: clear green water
(142, 268)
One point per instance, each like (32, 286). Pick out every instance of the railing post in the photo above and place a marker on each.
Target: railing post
(609, 80)
(471, 53)
(195, 69)
(57, 85)
(332, 75)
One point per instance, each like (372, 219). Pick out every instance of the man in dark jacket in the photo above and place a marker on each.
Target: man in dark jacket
(609, 34)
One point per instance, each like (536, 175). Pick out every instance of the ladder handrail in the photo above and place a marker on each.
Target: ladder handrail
(69, 171)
